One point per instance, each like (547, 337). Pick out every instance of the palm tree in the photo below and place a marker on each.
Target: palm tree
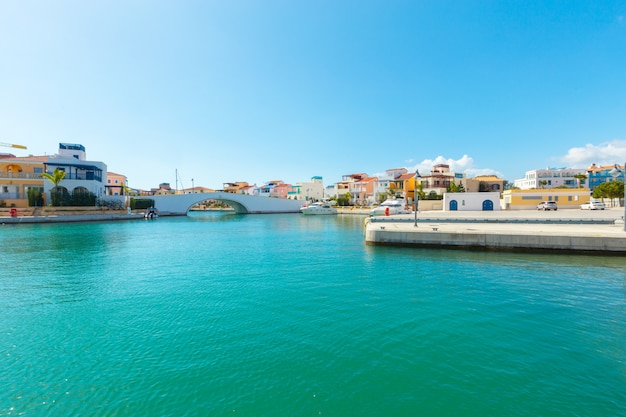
(55, 178)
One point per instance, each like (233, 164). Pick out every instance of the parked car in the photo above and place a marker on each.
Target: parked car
(547, 205)
(593, 205)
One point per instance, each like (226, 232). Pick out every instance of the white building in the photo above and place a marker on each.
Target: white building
(308, 191)
(384, 183)
(439, 178)
(486, 201)
(80, 175)
(549, 178)
(330, 191)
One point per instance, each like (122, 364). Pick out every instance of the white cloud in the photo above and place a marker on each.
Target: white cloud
(464, 164)
(607, 153)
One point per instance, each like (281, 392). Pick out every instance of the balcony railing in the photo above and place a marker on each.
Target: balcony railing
(83, 177)
(26, 176)
(12, 196)
(19, 175)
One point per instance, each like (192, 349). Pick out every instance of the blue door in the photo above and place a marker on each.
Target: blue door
(487, 205)
(454, 206)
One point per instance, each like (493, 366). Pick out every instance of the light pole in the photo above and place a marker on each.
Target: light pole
(615, 172)
(193, 189)
(415, 196)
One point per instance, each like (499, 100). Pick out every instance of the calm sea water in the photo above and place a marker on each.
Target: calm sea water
(284, 315)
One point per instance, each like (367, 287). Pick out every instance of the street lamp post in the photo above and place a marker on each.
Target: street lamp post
(415, 197)
(193, 188)
(615, 172)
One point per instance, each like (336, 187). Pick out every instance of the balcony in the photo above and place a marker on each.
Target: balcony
(20, 175)
(11, 196)
(82, 176)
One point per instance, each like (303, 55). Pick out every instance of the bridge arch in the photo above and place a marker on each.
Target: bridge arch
(179, 204)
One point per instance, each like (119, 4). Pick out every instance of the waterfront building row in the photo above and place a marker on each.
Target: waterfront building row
(20, 176)
(551, 178)
(398, 182)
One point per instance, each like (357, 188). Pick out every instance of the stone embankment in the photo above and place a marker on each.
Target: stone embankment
(599, 232)
(64, 214)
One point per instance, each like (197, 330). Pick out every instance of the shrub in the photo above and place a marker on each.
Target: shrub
(141, 203)
(35, 197)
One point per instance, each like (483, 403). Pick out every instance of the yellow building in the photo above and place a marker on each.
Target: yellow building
(485, 183)
(565, 198)
(17, 176)
(234, 187)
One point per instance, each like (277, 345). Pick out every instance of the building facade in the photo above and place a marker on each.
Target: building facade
(18, 175)
(308, 191)
(81, 175)
(485, 183)
(439, 178)
(550, 178)
(116, 184)
(566, 198)
(468, 201)
(597, 175)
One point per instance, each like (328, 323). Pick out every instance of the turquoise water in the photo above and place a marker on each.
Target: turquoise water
(284, 315)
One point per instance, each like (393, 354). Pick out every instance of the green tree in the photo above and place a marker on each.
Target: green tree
(454, 188)
(580, 179)
(55, 178)
(344, 200)
(613, 189)
(420, 191)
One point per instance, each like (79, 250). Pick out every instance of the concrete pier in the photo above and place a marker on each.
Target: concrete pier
(599, 232)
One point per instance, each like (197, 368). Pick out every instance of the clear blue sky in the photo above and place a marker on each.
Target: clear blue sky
(238, 90)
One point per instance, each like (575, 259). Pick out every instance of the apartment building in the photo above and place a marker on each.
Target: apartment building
(308, 191)
(18, 175)
(597, 175)
(550, 178)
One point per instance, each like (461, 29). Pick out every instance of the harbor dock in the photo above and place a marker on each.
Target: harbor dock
(599, 232)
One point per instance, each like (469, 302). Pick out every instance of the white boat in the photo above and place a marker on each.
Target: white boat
(391, 207)
(152, 213)
(318, 208)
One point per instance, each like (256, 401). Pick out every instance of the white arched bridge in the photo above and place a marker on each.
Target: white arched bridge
(179, 204)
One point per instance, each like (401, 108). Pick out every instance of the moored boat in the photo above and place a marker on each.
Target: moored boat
(319, 207)
(152, 213)
(390, 207)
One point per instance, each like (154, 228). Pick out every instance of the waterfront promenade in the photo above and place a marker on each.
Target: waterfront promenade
(553, 231)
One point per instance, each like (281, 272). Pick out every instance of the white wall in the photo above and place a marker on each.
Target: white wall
(471, 201)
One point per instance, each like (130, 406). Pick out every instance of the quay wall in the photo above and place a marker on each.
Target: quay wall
(598, 233)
